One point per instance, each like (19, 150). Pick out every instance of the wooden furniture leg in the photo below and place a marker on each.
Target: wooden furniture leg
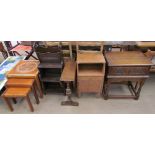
(29, 103)
(35, 94)
(69, 101)
(139, 89)
(136, 85)
(131, 88)
(8, 103)
(136, 90)
(39, 86)
(14, 100)
(78, 93)
(106, 90)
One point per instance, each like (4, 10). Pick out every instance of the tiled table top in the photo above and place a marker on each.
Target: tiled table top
(6, 66)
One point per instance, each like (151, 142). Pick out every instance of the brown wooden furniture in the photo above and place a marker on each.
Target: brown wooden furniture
(119, 45)
(126, 68)
(145, 44)
(14, 92)
(84, 46)
(50, 67)
(23, 83)
(66, 47)
(51, 43)
(66, 50)
(27, 69)
(151, 55)
(68, 77)
(90, 72)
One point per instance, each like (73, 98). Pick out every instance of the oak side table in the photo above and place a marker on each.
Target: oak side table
(131, 68)
(68, 77)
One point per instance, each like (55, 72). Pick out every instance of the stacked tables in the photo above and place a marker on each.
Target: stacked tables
(126, 68)
(27, 69)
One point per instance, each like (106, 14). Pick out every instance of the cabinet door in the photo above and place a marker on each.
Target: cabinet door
(90, 84)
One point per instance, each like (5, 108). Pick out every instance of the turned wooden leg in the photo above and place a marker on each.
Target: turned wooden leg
(14, 100)
(8, 103)
(69, 101)
(35, 94)
(29, 103)
(39, 86)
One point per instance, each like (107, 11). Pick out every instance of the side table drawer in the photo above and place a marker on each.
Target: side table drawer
(128, 71)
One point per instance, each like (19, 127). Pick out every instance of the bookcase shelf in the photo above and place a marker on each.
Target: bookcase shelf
(90, 70)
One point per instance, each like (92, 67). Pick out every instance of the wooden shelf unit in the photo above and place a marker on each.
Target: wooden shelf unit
(50, 75)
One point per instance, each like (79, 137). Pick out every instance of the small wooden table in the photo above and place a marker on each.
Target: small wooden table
(27, 69)
(126, 68)
(68, 77)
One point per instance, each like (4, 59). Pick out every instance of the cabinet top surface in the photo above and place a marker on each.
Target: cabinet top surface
(125, 58)
(90, 58)
(69, 72)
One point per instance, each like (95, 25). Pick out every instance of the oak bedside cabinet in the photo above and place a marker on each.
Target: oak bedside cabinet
(90, 73)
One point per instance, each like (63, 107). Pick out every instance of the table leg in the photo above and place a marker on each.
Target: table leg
(29, 103)
(39, 86)
(14, 100)
(135, 90)
(8, 103)
(106, 90)
(139, 89)
(69, 101)
(35, 94)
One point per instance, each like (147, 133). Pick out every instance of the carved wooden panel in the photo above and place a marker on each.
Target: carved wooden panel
(131, 71)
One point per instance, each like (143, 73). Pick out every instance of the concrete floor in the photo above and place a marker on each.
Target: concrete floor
(89, 104)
